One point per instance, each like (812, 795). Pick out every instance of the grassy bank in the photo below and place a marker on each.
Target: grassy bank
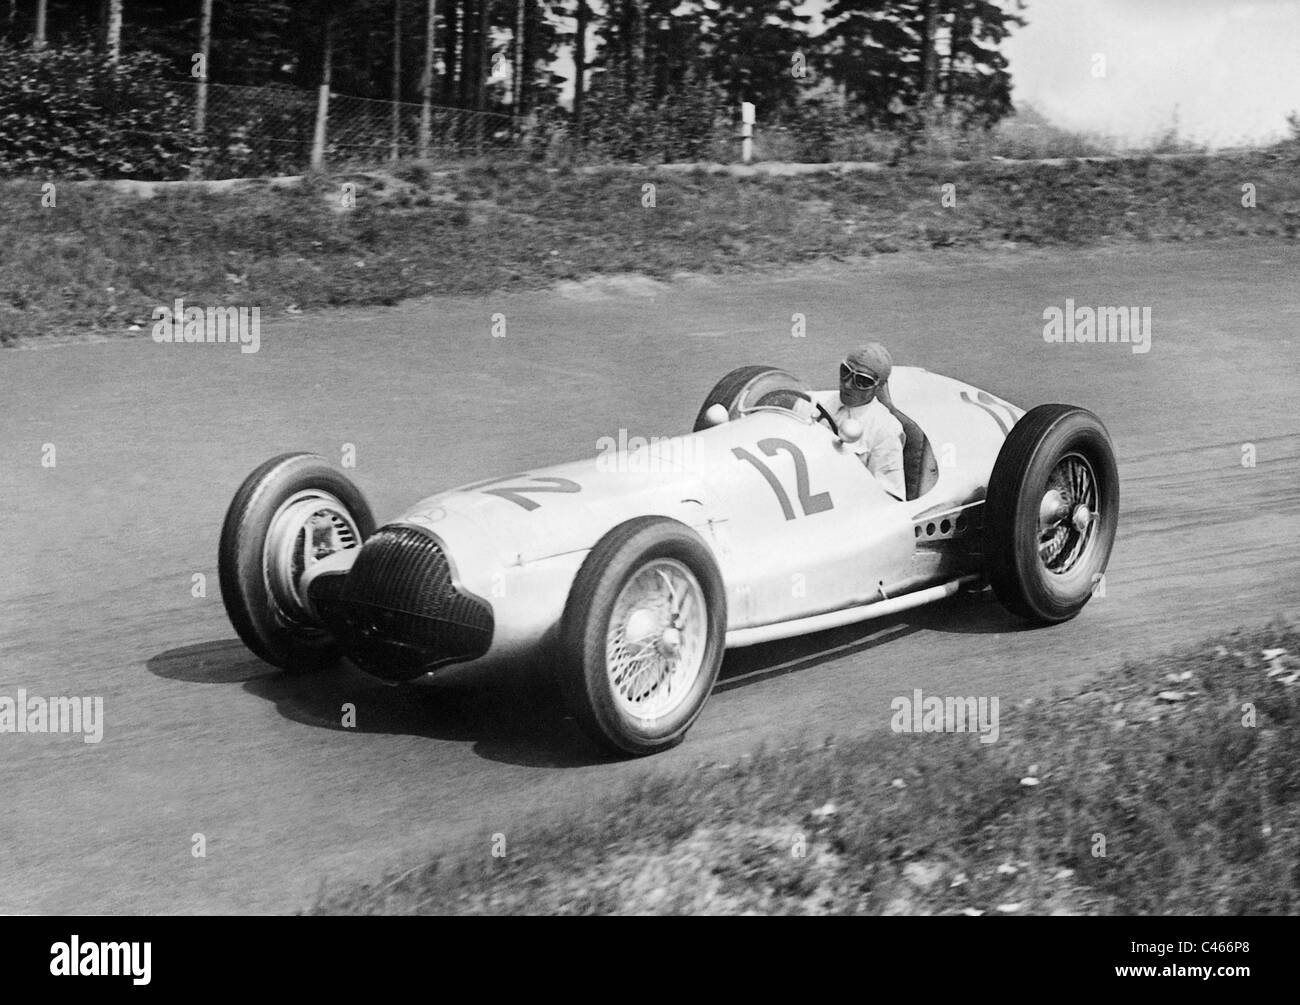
(99, 261)
(1149, 792)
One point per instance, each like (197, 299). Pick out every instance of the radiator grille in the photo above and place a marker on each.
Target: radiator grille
(398, 612)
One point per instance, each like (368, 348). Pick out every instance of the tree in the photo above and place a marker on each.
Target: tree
(750, 46)
(113, 32)
(426, 79)
(929, 25)
(397, 79)
(451, 49)
(205, 50)
(484, 23)
(580, 66)
(978, 84)
(887, 55)
(518, 85)
(747, 46)
(866, 49)
(542, 38)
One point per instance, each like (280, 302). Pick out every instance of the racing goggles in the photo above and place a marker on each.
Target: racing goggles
(856, 378)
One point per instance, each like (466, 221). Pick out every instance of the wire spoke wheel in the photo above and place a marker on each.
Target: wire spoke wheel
(643, 635)
(656, 639)
(1068, 516)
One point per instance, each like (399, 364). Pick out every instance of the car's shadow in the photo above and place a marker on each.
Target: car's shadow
(515, 715)
(511, 715)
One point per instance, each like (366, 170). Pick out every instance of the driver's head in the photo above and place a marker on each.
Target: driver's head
(862, 372)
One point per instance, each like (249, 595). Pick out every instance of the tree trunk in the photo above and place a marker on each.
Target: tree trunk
(38, 42)
(397, 80)
(639, 52)
(580, 67)
(929, 58)
(205, 50)
(323, 102)
(450, 51)
(467, 74)
(519, 88)
(426, 82)
(480, 95)
(113, 33)
(627, 44)
(954, 38)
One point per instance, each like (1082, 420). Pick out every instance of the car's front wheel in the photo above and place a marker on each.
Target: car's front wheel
(290, 513)
(1051, 513)
(643, 636)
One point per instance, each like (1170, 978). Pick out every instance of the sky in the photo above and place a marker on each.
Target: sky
(1229, 70)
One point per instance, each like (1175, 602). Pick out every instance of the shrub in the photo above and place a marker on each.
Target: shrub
(67, 111)
(816, 131)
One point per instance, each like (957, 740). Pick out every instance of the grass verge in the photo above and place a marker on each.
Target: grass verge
(100, 261)
(1151, 792)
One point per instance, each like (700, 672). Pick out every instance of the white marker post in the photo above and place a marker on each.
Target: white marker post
(746, 131)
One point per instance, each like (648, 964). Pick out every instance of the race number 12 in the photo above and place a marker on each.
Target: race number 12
(808, 502)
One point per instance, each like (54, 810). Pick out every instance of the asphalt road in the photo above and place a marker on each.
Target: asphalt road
(100, 551)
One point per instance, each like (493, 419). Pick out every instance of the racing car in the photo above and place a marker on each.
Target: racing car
(628, 575)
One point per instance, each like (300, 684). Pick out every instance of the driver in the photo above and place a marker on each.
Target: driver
(881, 446)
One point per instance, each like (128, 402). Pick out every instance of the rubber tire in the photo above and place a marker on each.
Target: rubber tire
(726, 391)
(1016, 487)
(580, 657)
(239, 557)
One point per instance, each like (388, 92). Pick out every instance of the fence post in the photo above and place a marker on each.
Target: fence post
(318, 139)
(746, 131)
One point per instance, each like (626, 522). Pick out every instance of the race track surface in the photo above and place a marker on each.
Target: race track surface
(200, 737)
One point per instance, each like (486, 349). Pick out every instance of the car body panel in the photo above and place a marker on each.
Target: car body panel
(797, 524)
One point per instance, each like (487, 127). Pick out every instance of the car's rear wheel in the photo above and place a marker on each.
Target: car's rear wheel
(643, 636)
(749, 383)
(290, 513)
(1051, 513)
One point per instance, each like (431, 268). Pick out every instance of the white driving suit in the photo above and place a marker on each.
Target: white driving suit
(881, 446)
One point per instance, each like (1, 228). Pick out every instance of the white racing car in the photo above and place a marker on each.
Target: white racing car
(630, 573)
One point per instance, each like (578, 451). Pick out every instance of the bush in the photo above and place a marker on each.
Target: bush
(67, 111)
(630, 123)
(814, 131)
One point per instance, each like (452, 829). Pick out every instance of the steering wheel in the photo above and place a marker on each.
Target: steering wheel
(824, 415)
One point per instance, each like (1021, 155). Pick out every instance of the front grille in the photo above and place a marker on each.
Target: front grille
(398, 612)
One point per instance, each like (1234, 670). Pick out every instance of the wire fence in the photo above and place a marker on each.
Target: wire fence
(271, 130)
